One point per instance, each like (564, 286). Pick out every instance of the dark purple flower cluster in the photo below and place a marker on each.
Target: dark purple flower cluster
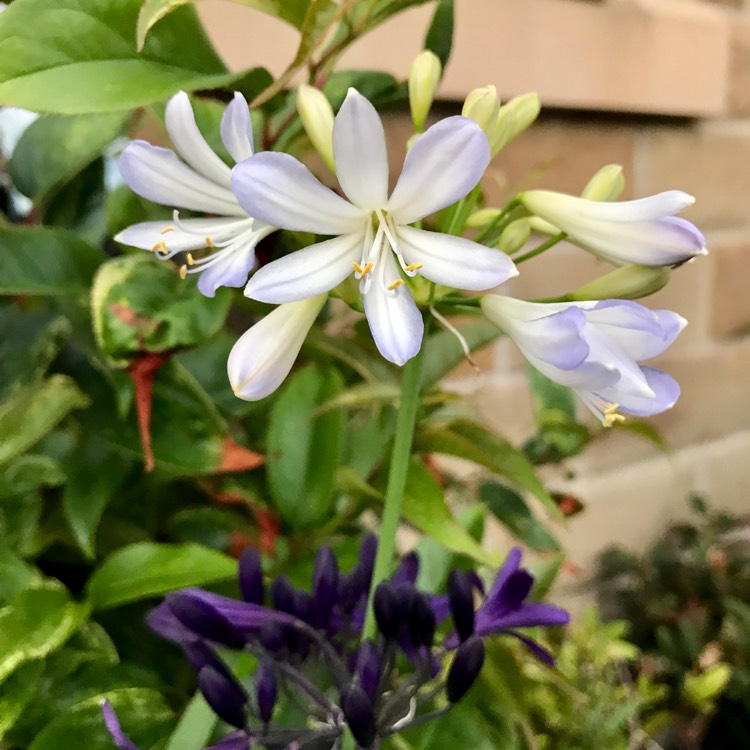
(315, 676)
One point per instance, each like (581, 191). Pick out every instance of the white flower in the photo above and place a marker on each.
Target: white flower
(265, 353)
(592, 347)
(643, 232)
(373, 239)
(200, 182)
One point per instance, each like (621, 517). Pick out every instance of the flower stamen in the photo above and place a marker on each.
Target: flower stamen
(395, 285)
(209, 241)
(413, 266)
(610, 415)
(190, 259)
(183, 272)
(161, 247)
(166, 229)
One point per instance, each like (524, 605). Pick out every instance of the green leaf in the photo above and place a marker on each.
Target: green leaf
(37, 622)
(140, 305)
(512, 511)
(443, 352)
(303, 449)
(94, 473)
(29, 414)
(439, 37)
(152, 11)
(53, 149)
(643, 429)
(425, 507)
(94, 66)
(466, 439)
(44, 261)
(147, 569)
(17, 692)
(551, 401)
(375, 85)
(143, 713)
(362, 395)
(15, 575)
(195, 727)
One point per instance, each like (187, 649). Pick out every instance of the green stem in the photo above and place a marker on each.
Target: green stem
(498, 222)
(551, 242)
(394, 493)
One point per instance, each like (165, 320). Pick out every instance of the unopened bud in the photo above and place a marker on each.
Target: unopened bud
(251, 576)
(465, 668)
(606, 185)
(424, 76)
(515, 236)
(482, 217)
(266, 689)
(461, 601)
(325, 585)
(205, 620)
(359, 715)
(387, 610)
(482, 106)
(626, 282)
(512, 119)
(422, 622)
(316, 114)
(225, 696)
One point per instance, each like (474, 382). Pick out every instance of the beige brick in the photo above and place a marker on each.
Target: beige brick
(739, 67)
(730, 301)
(708, 161)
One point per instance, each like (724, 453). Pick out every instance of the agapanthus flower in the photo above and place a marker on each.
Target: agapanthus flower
(310, 645)
(372, 237)
(199, 181)
(642, 231)
(593, 348)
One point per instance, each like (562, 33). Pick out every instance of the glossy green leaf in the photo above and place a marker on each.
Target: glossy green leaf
(16, 692)
(15, 575)
(195, 727)
(469, 440)
(512, 511)
(147, 569)
(439, 37)
(94, 66)
(152, 11)
(303, 449)
(36, 622)
(144, 715)
(30, 413)
(443, 352)
(54, 149)
(376, 85)
(141, 305)
(44, 261)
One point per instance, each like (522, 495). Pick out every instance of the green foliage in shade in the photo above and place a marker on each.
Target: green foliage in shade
(195, 727)
(94, 66)
(54, 149)
(46, 261)
(303, 449)
(145, 570)
(439, 37)
(16, 692)
(139, 306)
(144, 714)
(15, 575)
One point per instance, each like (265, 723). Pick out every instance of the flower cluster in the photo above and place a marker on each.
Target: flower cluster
(370, 234)
(315, 676)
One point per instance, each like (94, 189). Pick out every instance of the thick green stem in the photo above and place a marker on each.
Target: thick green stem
(394, 493)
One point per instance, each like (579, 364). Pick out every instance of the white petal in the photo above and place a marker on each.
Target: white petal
(359, 152)
(190, 143)
(264, 355)
(281, 191)
(454, 261)
(149, 233)
(442, 166)
(158, 175)
(307, 272)
(394, 318)
(237, 129)
(231, 268)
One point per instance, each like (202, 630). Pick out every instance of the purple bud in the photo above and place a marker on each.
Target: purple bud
(352, 587)
(304, 607)
(283, 595)
(265, 690)
(251, 576)
(465, 668)
(421, 621)
(461, 600)
(369, 668)
(325, 585)
(367, 552)
(408, 569)
(204, 620)
(200, 655)
(516, 589)
(359, 715)
(226, 697)
(387, 611)
(272, 637)
(405, 594)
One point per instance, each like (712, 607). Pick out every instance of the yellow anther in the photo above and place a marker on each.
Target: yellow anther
(611, 416)
(167, 229)
(190, 259)
(413, 266)
(183, 272)
(160, 246)
(395, 285)
(209, 241)
(362, 270)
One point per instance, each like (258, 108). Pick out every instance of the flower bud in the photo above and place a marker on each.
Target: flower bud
(316, 114)
(387, 610)
(226, 697)
(359, 715)
(482, 105)
(515, 236)
(482, 217)
(421, 621)
(283, 595)
(265, 690)
(606, 185)
(461, 601)
(626, 282)
(325, 585)
(465, 668)
(204, 620)
(369, 668)
(512, 119)
(251, 576)
(424, 76)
